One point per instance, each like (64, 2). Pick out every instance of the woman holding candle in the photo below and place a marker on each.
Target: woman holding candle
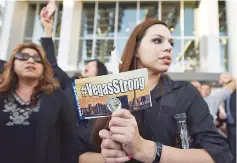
(178, 128)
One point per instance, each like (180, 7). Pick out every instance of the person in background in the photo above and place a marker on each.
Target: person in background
(205, 90)
(150, 135)
(230, 105)
(197, 85)
(37, 124)
(93, 68)
(220, 121)
(218, 96)
(229, 116)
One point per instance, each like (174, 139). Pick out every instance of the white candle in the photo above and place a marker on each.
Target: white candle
(115, 62)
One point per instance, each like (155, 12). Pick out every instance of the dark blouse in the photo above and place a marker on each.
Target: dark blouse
(18, 130)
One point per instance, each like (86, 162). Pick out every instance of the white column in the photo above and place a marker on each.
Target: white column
(210, 60)
(6, 29)
(13, 26)
(231, 13)
(65, 35)
(69, 36)
(75, 33)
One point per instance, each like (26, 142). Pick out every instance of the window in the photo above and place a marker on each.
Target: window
(97, 31)
(223, 35)
(185, 55)
(177, 57)
(191, 39)
(190, 18)
(191, 55)
(127, 18)
(171, 16)
(103, 49)
(224, 52)
(105, 25)
(148, 10)
(105, 20)
(87, 20)
(222, 18)
(85, 48)
(2, 8)
(34, 30)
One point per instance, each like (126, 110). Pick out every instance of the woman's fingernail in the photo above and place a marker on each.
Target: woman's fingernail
(129, 157)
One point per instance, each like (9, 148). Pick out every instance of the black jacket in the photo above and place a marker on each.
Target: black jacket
(64, 79)
(60, 141)
(232, 106)
(2, 65)
(84, 127)
(172, 97)
(56, 139)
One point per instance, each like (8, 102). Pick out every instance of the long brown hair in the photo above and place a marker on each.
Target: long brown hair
(9, 80)
(128, 59)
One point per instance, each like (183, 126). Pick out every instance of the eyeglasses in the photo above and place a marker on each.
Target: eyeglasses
(26, 56)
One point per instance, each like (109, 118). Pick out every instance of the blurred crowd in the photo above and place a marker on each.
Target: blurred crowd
(222, 105)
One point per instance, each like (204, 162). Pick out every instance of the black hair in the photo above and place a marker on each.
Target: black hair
(101, 68)
(2, 63)
(207, 83)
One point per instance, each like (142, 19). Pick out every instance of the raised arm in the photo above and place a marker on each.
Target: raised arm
(46, 40)
(48, 45)
(219, 96)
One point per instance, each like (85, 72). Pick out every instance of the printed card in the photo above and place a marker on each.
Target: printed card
(102, 95)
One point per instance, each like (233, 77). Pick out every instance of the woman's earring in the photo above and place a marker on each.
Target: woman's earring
(42, 77)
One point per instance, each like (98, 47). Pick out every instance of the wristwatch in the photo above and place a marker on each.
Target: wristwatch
(159, 147)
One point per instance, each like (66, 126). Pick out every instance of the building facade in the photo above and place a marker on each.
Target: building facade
(2, 4)
(205, 32)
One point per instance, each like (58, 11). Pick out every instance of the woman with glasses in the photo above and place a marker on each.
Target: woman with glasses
(37, 124)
